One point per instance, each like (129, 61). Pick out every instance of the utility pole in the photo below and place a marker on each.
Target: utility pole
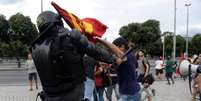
(174, 37)
(163, 47)
(41, 6)
(187, 22)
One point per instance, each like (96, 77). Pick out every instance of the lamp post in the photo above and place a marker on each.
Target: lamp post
(174, 37)
(163, 47)
(187, 22)
(41, 6)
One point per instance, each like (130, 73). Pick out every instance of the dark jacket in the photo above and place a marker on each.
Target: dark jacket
(59, 59)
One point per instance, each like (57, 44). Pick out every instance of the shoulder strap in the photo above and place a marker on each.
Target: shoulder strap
(145, 66)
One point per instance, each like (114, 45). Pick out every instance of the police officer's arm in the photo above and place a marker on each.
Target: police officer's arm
(90, 49)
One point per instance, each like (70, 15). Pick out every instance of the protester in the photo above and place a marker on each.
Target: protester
(58, 56)
(99, 81)
(89, 65)
(143, 65)
(146, 91)
(159, 68)
(197, 81)
(18, 62)
(31, 69)
(128, 86)
(169, 69)
(112, 72)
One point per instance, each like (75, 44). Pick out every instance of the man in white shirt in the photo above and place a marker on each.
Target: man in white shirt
(159, 68)
(31, 69)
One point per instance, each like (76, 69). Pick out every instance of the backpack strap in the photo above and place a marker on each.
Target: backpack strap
(145, 66)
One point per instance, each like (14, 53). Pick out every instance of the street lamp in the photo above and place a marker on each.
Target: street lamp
(174, 37)
(187, 20)
(41, 6)
(163, 40)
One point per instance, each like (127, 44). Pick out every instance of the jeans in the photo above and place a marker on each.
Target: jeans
(135, 97)
(110, 90)
(98, 96)
(89, 88)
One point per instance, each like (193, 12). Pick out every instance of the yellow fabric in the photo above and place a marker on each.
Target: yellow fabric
(76, 25)
(87, 27)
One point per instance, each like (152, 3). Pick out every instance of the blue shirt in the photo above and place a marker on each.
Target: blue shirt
(126, 71)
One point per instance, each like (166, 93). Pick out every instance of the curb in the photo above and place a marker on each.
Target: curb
(12, 69)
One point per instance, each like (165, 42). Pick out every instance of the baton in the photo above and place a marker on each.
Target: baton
(127, 52)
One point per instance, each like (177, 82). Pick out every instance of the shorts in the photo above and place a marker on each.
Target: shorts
(32, 76)
(159, 71)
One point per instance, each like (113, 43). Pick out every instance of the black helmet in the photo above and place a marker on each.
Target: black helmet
(47, 18)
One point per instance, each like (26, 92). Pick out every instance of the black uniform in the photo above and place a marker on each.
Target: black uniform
(58, 56)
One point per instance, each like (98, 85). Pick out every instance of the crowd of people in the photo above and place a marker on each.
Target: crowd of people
(73, 69)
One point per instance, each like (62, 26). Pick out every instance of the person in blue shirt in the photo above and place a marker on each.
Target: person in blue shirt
(127, 78)
(128, 85)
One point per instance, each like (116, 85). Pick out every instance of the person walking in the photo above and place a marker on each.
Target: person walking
(143, 65)
(169, 69)
(159, 68)
(32, 73)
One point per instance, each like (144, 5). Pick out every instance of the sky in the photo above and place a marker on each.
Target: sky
(116, 13)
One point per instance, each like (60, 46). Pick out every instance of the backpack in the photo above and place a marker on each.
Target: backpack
(57, 76)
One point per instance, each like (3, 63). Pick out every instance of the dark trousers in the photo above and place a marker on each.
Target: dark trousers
(76, 94)
(169, 76)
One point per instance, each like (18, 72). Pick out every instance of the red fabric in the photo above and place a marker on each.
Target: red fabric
(74, 22)
(98, 27)
(178, 72)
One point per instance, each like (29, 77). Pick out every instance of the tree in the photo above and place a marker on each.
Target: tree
(18, 48)
(145, 35)
(180, 43)
(24, 29)
(4, 29)
(196, 43)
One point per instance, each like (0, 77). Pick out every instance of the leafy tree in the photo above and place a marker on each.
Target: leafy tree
(4, 49)
(180, 43)
(4, 29)
(145, 35)
(18, 48)
(24, 29)
(196, 43)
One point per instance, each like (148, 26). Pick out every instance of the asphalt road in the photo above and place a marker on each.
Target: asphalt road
(12, 77)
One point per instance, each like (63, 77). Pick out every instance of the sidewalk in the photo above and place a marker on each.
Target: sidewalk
(18, 93)
(177, 92)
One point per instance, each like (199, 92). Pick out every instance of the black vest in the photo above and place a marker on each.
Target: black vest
(59, 64)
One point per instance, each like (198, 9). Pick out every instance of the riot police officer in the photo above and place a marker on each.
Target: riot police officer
(58, 53)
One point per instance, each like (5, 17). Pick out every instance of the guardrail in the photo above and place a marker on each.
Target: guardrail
(18, 98)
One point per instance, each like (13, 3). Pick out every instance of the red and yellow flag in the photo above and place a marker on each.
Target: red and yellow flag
(89, 26)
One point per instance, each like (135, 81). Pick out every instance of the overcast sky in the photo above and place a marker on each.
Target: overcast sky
(116, 13)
